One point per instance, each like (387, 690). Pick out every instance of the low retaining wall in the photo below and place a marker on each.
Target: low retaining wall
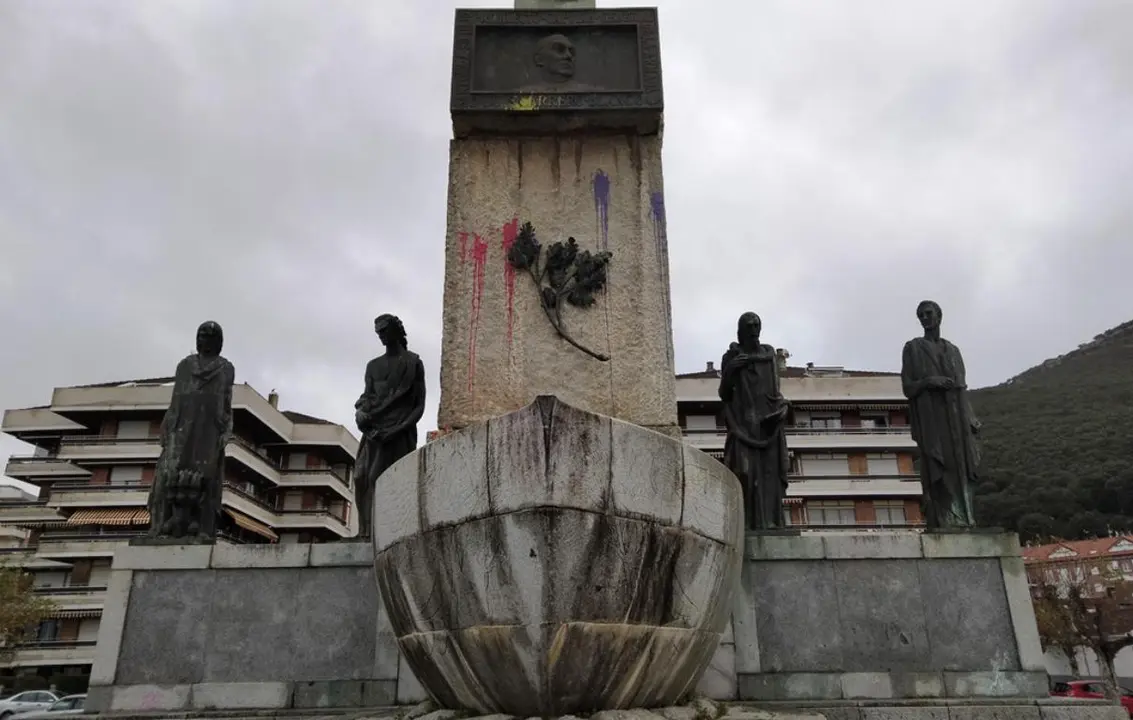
(883, 615)
(863, 626)
(246, 626)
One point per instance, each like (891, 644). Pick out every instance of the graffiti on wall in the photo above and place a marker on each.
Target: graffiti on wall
(601, 184)
(477, 252)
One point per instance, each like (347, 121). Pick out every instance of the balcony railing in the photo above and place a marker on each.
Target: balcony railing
(103, 487)
(70, 590)
(336, 474)
(808, 430)
(258, 498)
(55, 644)
(865, 477)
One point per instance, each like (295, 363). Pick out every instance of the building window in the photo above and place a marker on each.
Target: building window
(859, 464)
(890, 512)
(700, 422)
(48, 631)
(133, 429)
(126, 475)
(830, 512)
(824, 420)
(880, 420)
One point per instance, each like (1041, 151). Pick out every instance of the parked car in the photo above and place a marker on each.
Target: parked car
(67, 705)
(26, 701)
(1090, 690)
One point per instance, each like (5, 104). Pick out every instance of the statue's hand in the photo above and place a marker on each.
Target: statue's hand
(976, 425)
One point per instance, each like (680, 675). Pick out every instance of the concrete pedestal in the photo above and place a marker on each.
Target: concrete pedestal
(554, 561)
(886, 624)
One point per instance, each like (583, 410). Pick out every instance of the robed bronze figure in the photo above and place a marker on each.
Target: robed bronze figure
(755, 413)
(387, 413)
(184, 502)
(943, 424)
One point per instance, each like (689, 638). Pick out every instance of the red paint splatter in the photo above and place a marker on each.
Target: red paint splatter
(479, 260)
(510, 231)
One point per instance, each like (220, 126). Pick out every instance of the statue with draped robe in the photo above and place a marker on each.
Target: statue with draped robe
(184, 502)
(755, 416)
(387, 413)
(942, 423)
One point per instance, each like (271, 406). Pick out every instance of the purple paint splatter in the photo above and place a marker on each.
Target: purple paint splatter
(661, 243)
(602, 208)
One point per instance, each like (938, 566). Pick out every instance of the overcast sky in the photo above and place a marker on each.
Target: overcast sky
(280, 166)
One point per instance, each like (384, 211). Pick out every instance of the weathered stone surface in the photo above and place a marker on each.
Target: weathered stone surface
(584, 590)
(499, 350)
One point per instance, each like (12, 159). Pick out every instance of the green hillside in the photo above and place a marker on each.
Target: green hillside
(1058, 444)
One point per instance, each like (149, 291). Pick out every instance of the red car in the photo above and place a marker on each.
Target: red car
(1091, 690)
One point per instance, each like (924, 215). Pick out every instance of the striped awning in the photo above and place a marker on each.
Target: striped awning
(803, 405)
(73, 614)
(110, 516)
(252, 525)
(793, 501)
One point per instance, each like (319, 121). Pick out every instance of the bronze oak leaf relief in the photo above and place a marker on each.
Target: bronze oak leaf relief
(563, 274)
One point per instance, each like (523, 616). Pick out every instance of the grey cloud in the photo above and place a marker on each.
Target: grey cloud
(280, 166)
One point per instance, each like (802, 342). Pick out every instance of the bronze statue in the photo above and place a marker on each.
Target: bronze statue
(387, 413)
(184, 502)
(755, 413)
(943, 424)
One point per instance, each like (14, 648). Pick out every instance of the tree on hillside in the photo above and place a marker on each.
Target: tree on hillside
(1084, 604)
(20, 609)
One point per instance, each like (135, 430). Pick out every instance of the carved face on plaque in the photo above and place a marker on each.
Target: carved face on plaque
(554, 57)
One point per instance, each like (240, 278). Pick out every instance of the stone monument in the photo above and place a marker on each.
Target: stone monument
(387, 413)
(184, 502)
(560, 551)
(943, 424)
(557, 123)
(755, 414)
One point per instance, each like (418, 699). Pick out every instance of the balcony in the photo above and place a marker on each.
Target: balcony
(31, 467)
(84, 543)
(53, 652)
(85, 448)
(810, 438)
(818, 486)
(32, 511)
(308, 519)
(75, 598)
(87, 495)
(252, 457)
(40, 421)
(316, 478)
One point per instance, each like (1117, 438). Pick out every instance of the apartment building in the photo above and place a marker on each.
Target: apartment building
(1102, 569)
(851, 451)
(287, 479)
(10, 535)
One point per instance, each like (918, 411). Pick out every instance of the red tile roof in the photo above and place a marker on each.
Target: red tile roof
(1082, 549)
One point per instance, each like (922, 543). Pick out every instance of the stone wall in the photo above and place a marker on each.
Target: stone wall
(499, 349)
(876, 616)
(251, 626)
(833, 620)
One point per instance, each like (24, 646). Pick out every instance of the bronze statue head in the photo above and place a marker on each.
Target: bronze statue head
(748, 329)
(210, 338)
(929, 313)
(554, 56)
(390, 331)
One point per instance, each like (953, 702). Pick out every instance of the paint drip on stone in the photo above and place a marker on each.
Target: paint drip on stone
(602, 208)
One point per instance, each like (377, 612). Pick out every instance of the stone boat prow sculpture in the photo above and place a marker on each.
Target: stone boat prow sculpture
(554, 561)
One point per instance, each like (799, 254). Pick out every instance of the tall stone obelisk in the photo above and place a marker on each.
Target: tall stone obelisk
(557, 118)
